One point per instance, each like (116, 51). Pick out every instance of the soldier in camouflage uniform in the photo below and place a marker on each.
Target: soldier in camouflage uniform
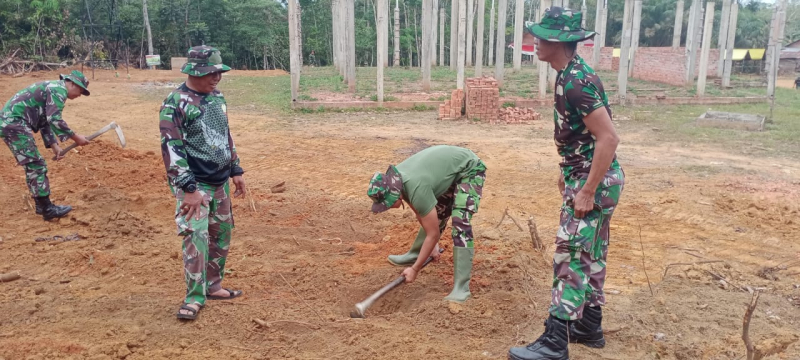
(200, 157)
(591, 182)
(449, 180)
(38, 108)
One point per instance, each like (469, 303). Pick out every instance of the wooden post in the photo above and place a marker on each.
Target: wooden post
(637, 21)
(381, 47)
(501, 42)
(479, 40)
(293, 65)
(722, 39)
(470, 29)
(396, 60)
(541, 65)
(676, 32)
(425, 60)
(519, 13)
(442, 13)
(622, 81)
(490, 53)
(462, 39)
(708, 28)
(351, 40)
(453, 34)
(731, 39)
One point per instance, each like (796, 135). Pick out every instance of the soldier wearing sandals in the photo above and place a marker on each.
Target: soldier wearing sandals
(200, 157)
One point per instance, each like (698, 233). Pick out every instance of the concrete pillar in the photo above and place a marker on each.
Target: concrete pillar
(425, 59)
(637, 21)
(335, 34)
(381, 46)
(722, 39)
(351, 47)
(294, 66)
(479, 39)
(519, 13)
(776, 43)
(622, 80)
(731, 40)
(342, 22)
(708, 28)
(676, 33)
(470, 29)
(490, 53)
(396, 61)
(541, 65)
(441, 35)
(598, 22)
(453, 34)
(691, 41)
(499, 66)
(433, 19)
(462, 40)
(585, 15)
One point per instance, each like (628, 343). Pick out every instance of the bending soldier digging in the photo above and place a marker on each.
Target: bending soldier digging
(591, 182)
(38, 108)
(437, 183)
(200, 157)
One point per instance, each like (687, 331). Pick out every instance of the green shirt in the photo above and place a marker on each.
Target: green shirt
(430, 172)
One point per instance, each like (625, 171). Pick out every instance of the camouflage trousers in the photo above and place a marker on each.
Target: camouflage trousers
(460, 202)
(19, 138)
(579, 262)
(205, 241)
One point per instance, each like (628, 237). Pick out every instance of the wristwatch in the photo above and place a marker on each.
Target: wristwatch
(190, 188)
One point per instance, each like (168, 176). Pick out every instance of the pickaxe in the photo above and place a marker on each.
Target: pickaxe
(113, 125)
(361, 308)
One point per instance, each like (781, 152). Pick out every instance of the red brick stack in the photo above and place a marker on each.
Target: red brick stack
(516, 115)
(483, 98)
(451, 109)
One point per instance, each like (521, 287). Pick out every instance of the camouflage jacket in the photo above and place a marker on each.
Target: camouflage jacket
(40, 106)
(578, 92)
(196, 142)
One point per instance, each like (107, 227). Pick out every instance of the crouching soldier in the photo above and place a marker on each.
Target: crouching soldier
(437, 183)
(38, 108)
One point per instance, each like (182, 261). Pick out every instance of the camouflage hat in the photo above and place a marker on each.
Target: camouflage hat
(385, 189)
(79, 79)
(203, 60)
(560, 25)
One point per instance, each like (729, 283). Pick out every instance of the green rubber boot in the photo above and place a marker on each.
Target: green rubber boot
(411, 256)
(462, 272)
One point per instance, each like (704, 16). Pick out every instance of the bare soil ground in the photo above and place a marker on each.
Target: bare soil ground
(305, 256)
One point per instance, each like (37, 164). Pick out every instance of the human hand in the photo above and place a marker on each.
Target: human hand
(80, 140)
(241, 189)
(192, 205)
(410, 274)
(57, 151)
(583, 203)
(561, 184)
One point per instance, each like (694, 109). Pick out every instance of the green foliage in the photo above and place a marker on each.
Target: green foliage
(253, 34)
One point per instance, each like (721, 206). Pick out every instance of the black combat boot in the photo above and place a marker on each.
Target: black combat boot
(552, 345)
(587, 331)
(50, 211)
